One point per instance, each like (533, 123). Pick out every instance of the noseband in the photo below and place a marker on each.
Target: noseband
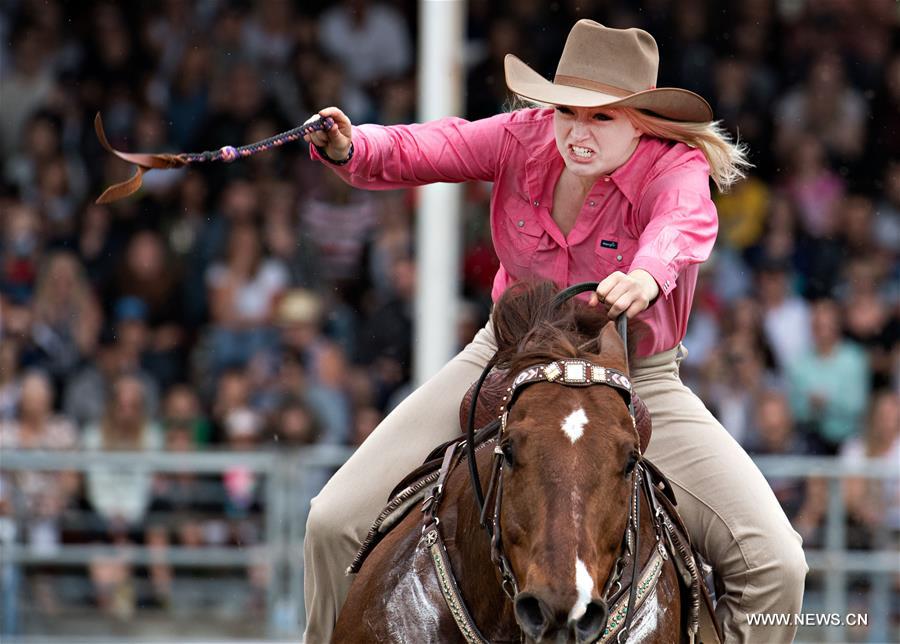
(569, 373)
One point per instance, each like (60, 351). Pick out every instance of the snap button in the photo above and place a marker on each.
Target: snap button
(619, 258)
(606, 178)
(520, 223)
(592, 203)
(537, 203)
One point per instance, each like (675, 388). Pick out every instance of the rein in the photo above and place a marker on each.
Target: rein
(147, 162)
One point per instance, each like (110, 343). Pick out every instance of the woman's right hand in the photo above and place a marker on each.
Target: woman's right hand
(336, 141)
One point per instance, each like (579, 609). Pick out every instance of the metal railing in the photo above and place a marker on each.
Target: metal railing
(285, 521)
(834, 560)
(281, 550)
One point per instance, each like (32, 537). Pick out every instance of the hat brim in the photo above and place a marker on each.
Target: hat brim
(669, 102)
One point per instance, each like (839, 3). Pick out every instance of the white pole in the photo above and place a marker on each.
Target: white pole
(441, 75)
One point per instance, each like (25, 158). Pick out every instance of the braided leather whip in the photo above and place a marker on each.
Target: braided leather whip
(146, 162)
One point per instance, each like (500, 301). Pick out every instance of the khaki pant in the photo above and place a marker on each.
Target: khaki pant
(729, 509)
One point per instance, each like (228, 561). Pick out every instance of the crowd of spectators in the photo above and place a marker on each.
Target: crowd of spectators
(267, 305)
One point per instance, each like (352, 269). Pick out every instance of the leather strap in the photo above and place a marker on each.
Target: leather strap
(430, 505)
(143, 162)
(635, 553)
(572, 372)
(449, 588)
(646, 584)
(470, 442)
(584, 83)
(572, 291)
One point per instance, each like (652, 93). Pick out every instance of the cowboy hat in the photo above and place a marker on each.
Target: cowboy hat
(605, 67)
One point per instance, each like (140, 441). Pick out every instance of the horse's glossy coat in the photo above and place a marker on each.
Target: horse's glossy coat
(563, 515)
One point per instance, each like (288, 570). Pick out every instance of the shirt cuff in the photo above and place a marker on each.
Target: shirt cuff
(659, 270)
(359, 147)
(315, 155)
(323, 154)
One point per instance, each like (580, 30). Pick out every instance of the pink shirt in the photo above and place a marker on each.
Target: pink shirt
(654, 212)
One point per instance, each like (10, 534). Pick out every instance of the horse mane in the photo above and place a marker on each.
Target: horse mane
(529, 329)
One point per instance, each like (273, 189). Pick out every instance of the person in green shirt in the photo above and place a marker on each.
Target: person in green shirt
(830, 383)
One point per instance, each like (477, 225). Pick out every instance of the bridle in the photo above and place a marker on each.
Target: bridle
(569, 373)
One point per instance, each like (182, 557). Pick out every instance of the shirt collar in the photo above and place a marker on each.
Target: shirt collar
(631, 175)
(536, 136)
(537, 140)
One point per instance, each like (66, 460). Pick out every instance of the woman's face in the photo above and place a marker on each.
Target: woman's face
(593, 141)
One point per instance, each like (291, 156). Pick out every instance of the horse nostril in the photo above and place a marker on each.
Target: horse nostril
(532, 615)
(590, 625)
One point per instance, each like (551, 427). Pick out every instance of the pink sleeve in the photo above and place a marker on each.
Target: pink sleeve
(447, 150)
(681, 223)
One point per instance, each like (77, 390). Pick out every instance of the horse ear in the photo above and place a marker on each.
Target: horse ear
(611, 341)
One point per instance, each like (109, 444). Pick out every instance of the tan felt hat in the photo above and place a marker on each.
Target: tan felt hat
(605, 67)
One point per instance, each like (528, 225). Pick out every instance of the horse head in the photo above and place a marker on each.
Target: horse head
(568, 457)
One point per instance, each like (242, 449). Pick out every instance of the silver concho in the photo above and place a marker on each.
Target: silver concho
(576, 372)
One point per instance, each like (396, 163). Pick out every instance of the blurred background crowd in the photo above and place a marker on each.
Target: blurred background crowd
(265, 305)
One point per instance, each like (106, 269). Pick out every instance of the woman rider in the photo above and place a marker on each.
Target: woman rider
(609, 183)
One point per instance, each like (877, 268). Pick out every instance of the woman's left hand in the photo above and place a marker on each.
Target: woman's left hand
(630, 293)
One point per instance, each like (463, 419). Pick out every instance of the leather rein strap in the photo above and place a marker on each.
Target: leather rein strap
(431, 538)
(621, 321)
(147, 162)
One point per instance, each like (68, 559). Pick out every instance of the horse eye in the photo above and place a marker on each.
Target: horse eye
(632, 461)
(508, 455)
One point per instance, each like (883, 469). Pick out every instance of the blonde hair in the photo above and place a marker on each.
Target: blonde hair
(728, 161)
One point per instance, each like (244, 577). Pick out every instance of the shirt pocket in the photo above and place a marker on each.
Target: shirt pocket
(614, 252)
(519, 235)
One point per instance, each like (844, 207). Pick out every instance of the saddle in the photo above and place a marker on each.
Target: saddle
(490, 399)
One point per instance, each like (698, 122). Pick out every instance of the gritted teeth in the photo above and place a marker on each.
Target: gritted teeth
(582, 152)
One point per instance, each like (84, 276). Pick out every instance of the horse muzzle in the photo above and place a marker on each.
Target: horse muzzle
(540, 623)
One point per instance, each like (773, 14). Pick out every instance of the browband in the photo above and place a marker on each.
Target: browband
(573, 372)
(569, 372)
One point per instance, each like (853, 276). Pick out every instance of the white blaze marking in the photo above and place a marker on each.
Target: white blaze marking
(574, 423)
(584, 584)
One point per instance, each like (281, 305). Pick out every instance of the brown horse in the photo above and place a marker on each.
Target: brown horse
(568, 502)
